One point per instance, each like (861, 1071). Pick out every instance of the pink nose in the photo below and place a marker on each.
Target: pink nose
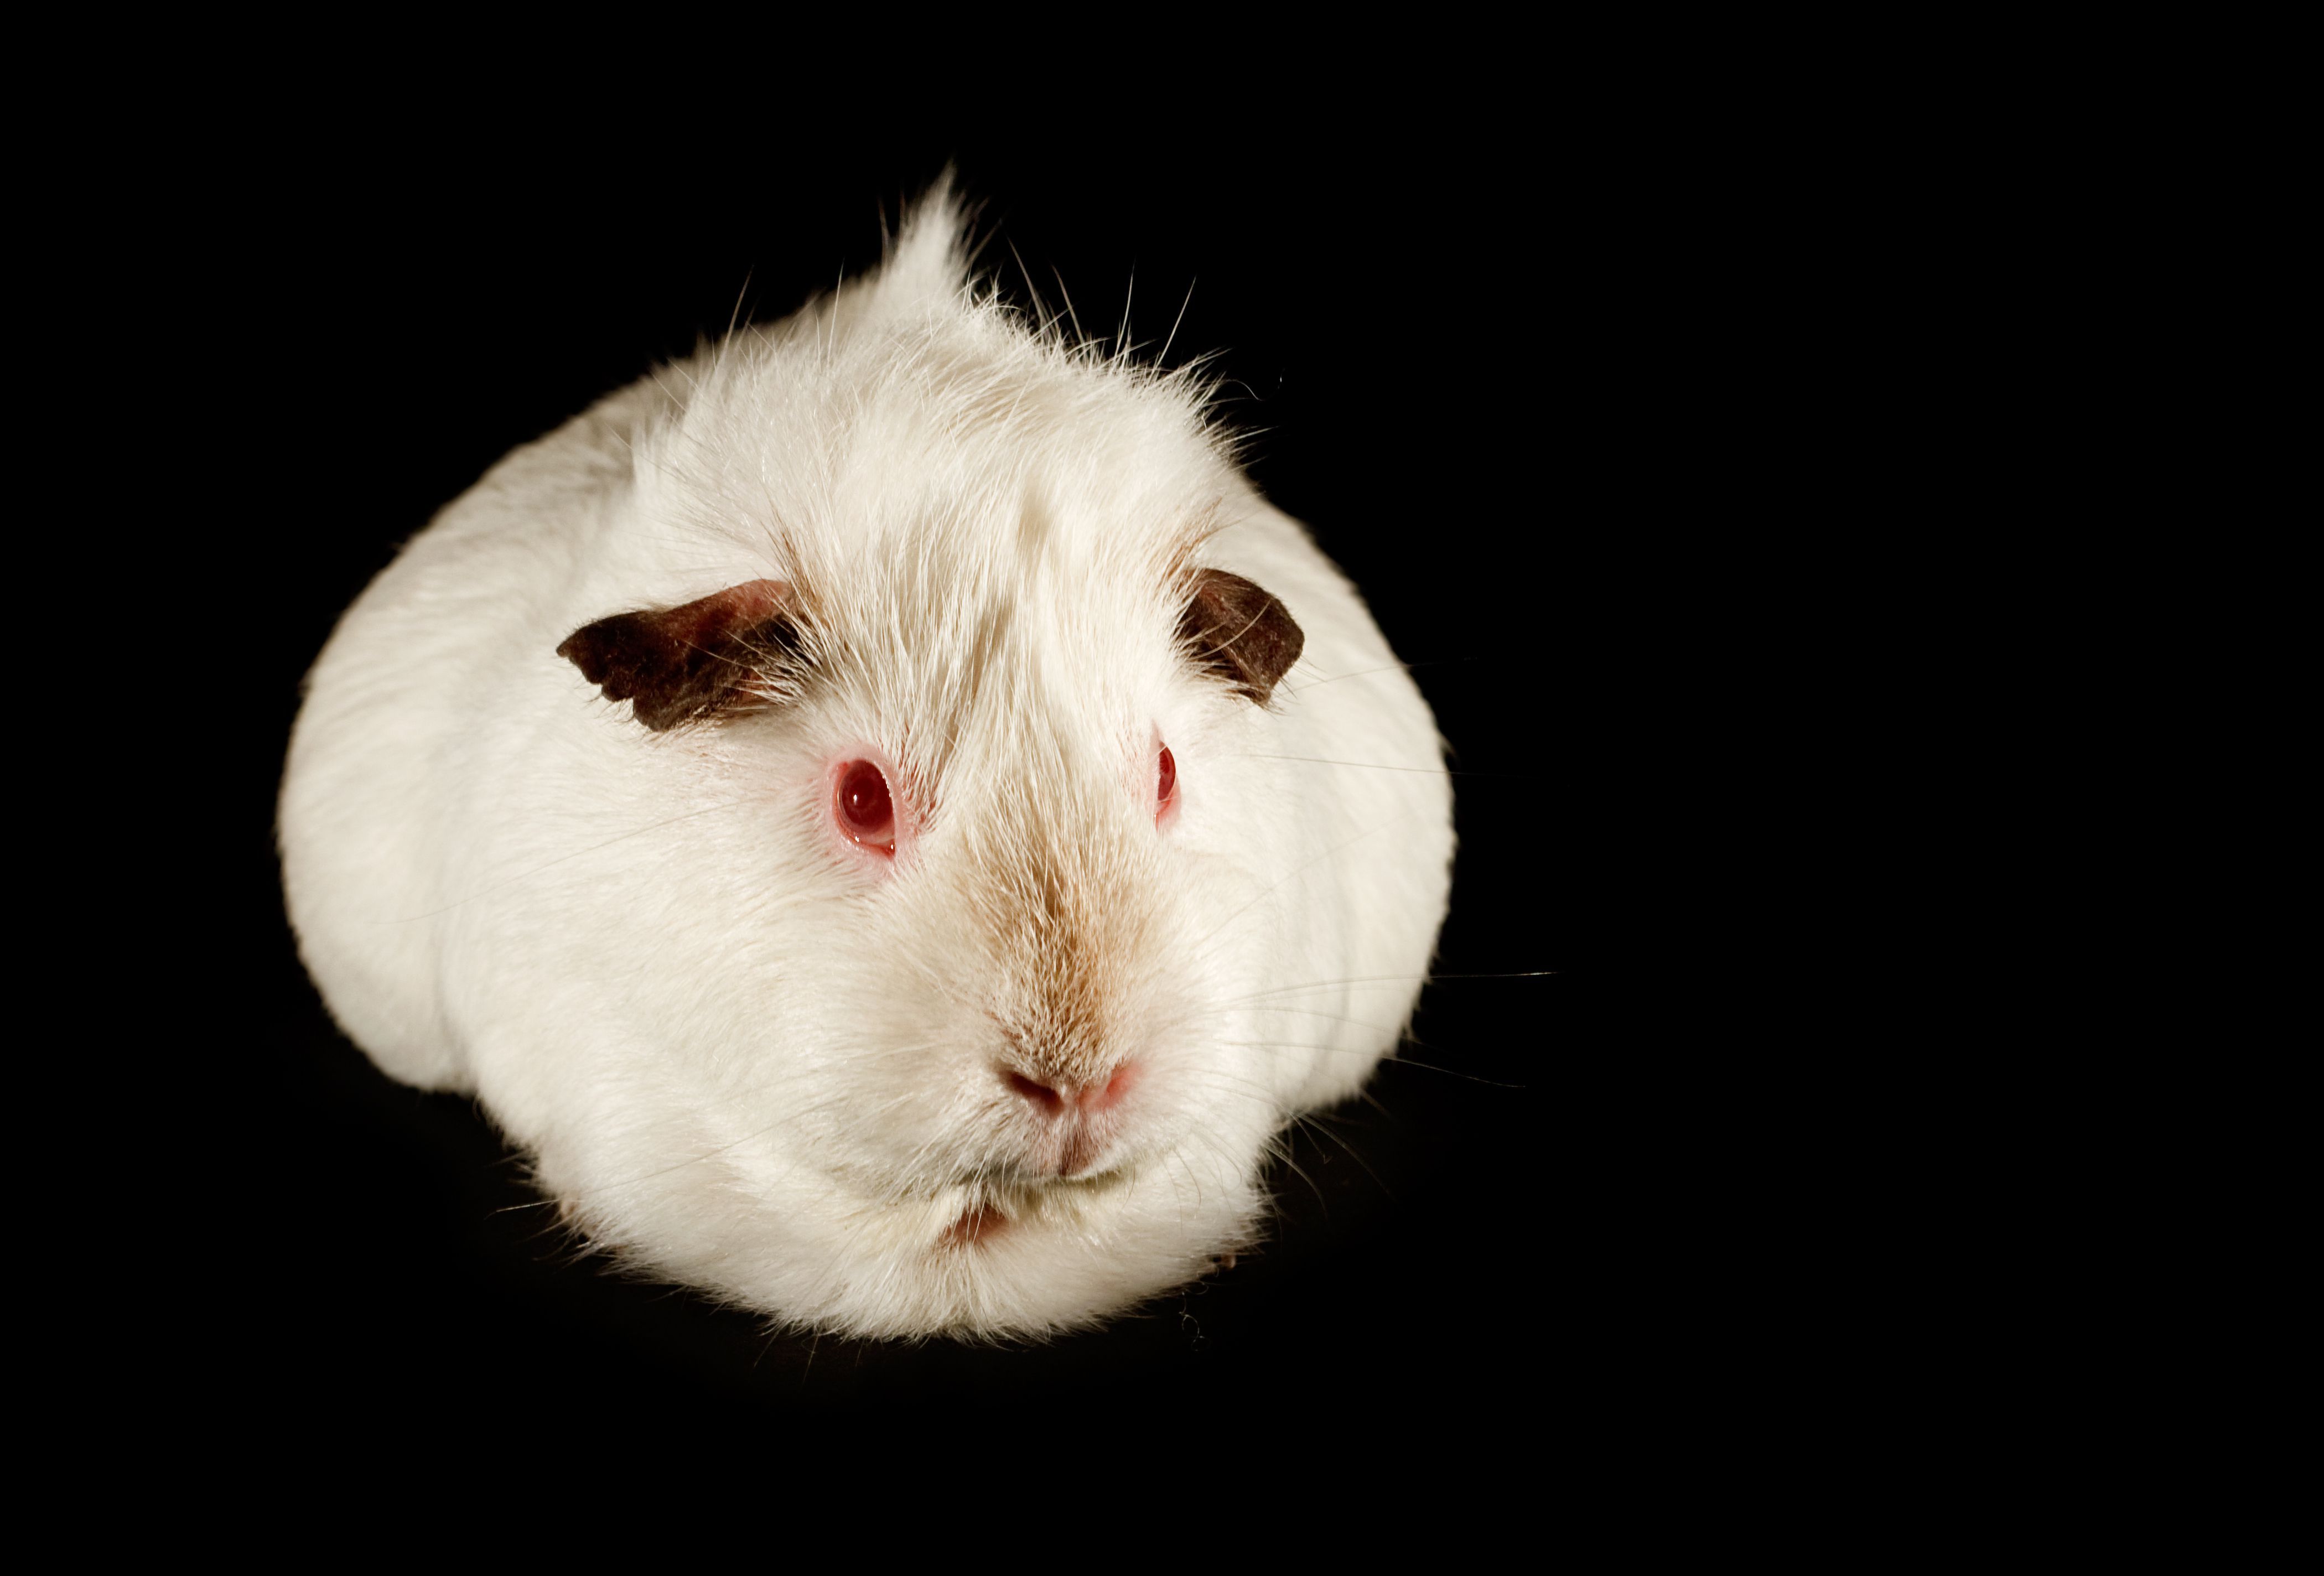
(1057, 1096)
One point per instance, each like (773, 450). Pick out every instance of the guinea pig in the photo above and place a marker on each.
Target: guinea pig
(882, 812)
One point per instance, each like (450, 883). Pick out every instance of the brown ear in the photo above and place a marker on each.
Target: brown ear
(1239, 632)
(684, 664)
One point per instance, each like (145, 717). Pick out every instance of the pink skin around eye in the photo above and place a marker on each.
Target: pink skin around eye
(1166, 786)
(864, 808)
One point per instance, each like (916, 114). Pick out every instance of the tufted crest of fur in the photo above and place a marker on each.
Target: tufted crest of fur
(742, 1055)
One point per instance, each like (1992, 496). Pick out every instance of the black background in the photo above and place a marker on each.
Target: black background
(1649, 390)
(1461, 346)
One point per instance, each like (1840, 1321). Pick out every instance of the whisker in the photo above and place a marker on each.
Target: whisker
(1428, 979)
(1348, 1149)
(1380, 766)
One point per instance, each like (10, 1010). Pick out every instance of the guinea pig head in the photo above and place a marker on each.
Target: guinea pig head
(873, 810)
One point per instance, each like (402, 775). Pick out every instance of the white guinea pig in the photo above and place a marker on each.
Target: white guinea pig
(882, 812)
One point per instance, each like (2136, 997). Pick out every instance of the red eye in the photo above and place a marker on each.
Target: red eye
(865, 812)
(1166, 784)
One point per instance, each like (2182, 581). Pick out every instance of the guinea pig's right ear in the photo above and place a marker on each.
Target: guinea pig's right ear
(1235, 630)
(689, 663)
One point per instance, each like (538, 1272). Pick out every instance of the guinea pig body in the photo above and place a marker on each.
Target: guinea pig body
(882, 812)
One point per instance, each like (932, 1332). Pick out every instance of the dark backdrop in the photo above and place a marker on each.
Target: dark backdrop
(1453, 337)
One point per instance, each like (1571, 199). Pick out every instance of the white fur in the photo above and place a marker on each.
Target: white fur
(747, 1061)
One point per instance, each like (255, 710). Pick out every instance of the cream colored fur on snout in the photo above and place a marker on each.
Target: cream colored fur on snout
(748, 1061)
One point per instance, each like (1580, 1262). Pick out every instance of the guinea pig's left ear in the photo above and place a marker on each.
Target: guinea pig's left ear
(689, 663)
(1236, 630)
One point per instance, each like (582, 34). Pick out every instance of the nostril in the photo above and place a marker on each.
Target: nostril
(1043, 1099)
(1100, 1097)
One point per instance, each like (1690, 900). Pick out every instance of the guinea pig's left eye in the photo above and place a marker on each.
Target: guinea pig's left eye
(1165, 784)
(863, 807)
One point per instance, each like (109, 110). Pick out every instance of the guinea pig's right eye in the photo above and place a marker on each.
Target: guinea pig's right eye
(864, 808)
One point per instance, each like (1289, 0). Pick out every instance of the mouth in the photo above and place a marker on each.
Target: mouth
(993, 1208)
(978, 1224)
